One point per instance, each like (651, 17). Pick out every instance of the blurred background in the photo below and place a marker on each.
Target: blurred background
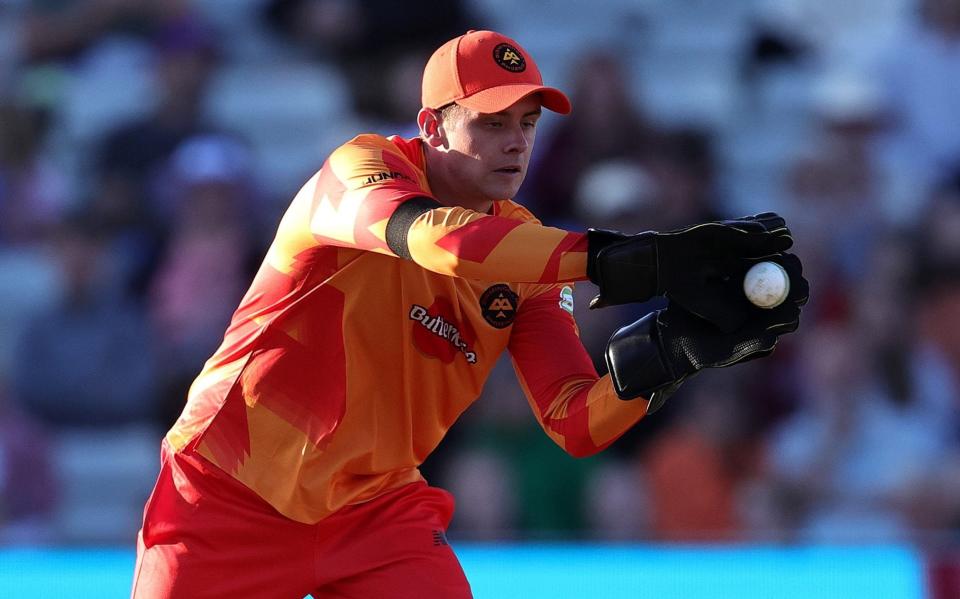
(149, 147)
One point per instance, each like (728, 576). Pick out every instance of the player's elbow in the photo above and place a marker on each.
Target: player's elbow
(571, 436)
(581, 447)
(583, 453)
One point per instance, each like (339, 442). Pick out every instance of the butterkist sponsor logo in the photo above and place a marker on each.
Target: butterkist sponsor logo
(385, 176)
(444, 329)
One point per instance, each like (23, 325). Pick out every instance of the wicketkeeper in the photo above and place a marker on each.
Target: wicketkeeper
(399, 274)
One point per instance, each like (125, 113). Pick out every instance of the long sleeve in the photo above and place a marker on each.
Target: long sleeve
(464, 243)
(349, 202)
(578, 410)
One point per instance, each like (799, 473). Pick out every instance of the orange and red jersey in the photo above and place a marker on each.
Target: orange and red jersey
(345, 365)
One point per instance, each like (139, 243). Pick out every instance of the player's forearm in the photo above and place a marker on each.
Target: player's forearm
(585, 417)
(610, 416)
(462, 243)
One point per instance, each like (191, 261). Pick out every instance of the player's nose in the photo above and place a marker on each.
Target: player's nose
(517, 141)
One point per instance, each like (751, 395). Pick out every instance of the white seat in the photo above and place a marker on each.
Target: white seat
(112, 84)
(105, 477)
(681, 90)
(245, 38)
(29, 284)
(284, 110)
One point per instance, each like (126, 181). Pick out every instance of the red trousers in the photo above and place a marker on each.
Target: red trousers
(206, 535)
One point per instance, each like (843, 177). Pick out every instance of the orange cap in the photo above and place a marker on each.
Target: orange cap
(487, 72)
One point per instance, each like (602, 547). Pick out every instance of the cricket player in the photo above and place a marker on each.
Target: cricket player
(400, 272)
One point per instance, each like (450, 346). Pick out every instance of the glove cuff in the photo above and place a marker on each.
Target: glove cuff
(597, 240)
(636, 361)
(623, 267)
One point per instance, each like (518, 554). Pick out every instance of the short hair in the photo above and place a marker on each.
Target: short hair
(451, 111)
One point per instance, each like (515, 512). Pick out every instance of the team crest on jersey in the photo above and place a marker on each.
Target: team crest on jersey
(509, 58)
(438, 334)
(499, 305)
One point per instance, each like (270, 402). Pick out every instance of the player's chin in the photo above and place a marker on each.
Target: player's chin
(505, 189)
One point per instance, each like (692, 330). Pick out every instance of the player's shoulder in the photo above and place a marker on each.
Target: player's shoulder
(511, 209)
(363, 143)
(370, 158)
(392, 143)
(375, 147)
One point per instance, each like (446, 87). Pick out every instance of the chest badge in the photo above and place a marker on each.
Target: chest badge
(499, 305)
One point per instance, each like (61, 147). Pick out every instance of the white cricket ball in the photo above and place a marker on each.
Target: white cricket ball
(766, 284)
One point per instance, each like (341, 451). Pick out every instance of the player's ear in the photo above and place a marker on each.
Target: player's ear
(430, 122)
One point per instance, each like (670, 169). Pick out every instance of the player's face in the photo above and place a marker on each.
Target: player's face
(487, 154)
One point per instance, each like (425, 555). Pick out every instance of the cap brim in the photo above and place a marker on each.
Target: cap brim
(498, 99)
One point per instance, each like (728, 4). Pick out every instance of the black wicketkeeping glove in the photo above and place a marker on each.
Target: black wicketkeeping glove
(653, 356)
(700, 268)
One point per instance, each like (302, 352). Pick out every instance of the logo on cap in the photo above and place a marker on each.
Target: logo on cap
(509, 58)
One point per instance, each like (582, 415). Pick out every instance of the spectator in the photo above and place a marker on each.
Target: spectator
(29, 284)
(823, 31)
(837, 178)
(33, 194)
(510, 484)
(922, 76)
(937, 280)
(836, 187)
(857, 460)
(63, 29)
(27, 487)
(506, 474)
(131, 158)
(695, 468)
(605, 126)
(208, 260)
(377, 43)
(87, 361)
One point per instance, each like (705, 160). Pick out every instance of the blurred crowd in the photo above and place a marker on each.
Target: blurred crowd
(148, 149)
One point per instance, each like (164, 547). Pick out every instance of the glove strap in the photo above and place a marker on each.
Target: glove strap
(624, 268)
(660, 397)
(597, 240)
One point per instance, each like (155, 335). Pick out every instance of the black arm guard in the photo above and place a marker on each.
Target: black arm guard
(400, 221)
